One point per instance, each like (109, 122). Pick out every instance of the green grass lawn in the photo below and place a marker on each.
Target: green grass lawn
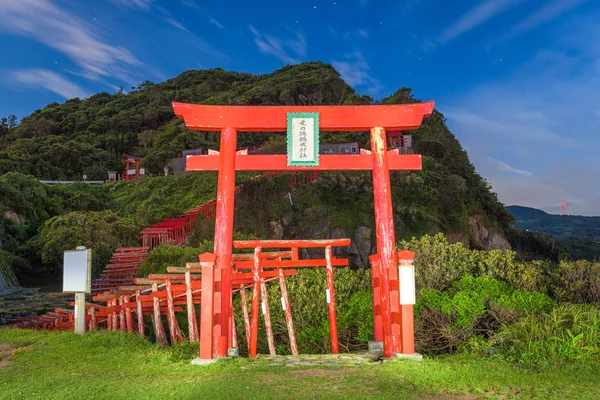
(112, 365)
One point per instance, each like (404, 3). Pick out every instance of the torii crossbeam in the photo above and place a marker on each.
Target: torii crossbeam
(230, 120)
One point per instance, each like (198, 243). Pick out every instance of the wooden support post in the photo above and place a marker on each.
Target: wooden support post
(207, 261)
(159, 330)
(79, 313)
(115, 323)
(333, 335)
(108, 316)
(234, 341)
(384, 229)
(285, 304)
(192, 323)
(376, 298)
(245, 314)
(224, 229)
(122, 324)
(128, 316)
(406, 260)
(93, 320)
(254, 311)
(140, 313)
(174, 331)
(267, 316)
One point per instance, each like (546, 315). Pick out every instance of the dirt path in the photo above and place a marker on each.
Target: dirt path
(6, 350)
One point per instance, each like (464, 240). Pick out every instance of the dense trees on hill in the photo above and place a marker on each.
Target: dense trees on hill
(90, 136)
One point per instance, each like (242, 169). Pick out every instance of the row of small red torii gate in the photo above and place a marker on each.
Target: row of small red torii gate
(223, 273)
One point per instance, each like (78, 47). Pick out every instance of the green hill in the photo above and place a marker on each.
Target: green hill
(559, 226)
(90, 136)
(542, 235)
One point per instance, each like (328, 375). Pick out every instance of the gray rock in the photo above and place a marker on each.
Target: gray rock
(277, 229)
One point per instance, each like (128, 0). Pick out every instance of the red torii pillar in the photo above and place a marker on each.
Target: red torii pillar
(375, 119)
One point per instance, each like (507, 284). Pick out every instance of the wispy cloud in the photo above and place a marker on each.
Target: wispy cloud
(502, 166)
(142, 4)
(355, 71)
(36, 78)
(282, 49)
(542, 117)
(483, 12)
(543, 15)
(43, 21)
(216, 23)
(189, 3)
(177, 24)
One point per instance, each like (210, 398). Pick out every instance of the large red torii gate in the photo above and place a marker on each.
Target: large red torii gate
(397, 335)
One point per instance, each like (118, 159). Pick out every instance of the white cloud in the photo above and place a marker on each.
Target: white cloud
(143, 4)
(483, 12)
(354, 70)
(216, 23)
(177, 24)
(543, 15)
(502, 166)
(542, 117)
(189, 3)
(41, 20)
(282, 49)
(52, 81)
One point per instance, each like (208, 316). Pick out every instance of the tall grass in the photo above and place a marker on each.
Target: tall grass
(568, 332)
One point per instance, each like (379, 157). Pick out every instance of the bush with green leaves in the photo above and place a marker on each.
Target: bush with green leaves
(102, 232)
(576, 282)
(568, 332)
(308, 304)
(164, 256)
(472, 307)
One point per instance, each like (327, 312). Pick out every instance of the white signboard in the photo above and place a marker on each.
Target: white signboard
(303, 139)
(131, 172)
(77, 275)
(142, 171)
(406, 274)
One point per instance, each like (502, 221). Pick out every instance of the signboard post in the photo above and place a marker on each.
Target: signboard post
(303, 139)
(77, 274)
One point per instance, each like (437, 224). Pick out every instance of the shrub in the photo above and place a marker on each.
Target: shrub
(576, 282)
(438, 263)
(164, 256)
(568, 332)
(306, 293)
(472, 307)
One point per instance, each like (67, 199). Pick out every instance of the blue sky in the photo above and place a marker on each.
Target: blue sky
(518, 80)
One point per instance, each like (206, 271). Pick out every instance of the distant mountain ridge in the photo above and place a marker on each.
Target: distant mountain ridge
(559, 226)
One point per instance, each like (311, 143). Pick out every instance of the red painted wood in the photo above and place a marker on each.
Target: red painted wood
(254, 311)
(336, 262)
(384, 228)
(267, 316)
(378, 329)
(288, 313)
(333, 335)
(207, 261)
(331, 118)
(94, 323)
(245, 314)
(249, 244)
(327, 162)
(234, 341)
(224, 225)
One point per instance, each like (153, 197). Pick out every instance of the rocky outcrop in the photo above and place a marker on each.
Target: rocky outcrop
(13, 216)
(487, 239)
(458, 237)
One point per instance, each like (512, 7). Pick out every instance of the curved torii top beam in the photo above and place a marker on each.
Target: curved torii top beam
(331, 118)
